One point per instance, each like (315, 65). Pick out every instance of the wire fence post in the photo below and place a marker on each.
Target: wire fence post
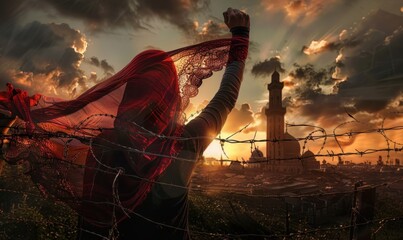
(365, 211)
(354, 210)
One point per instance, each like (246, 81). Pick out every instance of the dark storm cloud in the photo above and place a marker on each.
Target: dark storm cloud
(103, 64)
(68, 65)
(375, 67)
(11, 9)
(267, 67)
(106, 67)
(177, 12)
(370, 64)
(17, 41)
(52, 50)
(379, 20)
(311, 77)
(310, 100)
(109, 14)
(371, 31)
(99, 15)
(134, 13)
(360, 93)
(94, 61)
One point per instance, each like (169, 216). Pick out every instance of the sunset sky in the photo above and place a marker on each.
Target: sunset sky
(341, 60)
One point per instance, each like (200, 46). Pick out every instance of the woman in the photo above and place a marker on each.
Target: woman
(120, 154)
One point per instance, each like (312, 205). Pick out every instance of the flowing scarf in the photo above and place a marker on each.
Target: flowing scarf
(101, 152)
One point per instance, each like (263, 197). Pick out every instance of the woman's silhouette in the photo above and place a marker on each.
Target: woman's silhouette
(120, 154)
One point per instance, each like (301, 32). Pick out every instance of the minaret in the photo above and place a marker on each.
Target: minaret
(275, 118)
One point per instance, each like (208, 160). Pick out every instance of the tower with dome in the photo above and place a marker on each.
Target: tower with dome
(283, 152)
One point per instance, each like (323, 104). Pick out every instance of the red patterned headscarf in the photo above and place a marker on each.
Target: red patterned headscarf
(102, 151)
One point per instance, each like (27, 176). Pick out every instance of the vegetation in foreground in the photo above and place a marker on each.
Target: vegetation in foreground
(26, 214)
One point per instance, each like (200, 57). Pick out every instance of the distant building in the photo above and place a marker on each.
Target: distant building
(282, 149)
(257, 155)
(235, 165)
(257, 158)
(309, 161)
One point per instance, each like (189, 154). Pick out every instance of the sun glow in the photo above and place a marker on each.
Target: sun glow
(214, 150)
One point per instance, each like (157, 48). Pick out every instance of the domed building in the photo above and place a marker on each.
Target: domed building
(257, 154)
(283, 152)
(291, 146)
(309, 161)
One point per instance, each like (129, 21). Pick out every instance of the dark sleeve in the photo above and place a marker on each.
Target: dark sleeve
(210, 121)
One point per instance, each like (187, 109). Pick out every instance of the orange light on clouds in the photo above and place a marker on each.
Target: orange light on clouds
(81, 45)
(39, 83)
(288, 82)
(316, 47)
(303, 11)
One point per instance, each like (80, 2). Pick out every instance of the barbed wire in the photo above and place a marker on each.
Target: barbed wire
(119, 171)
(229, 139)
(86, 135)
(44, 135)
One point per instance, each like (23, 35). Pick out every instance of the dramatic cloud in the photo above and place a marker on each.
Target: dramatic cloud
(177, 12)
(134, 13)
(42, 57)
(316, 47)
(210, 30)
(374, 68)
(308, 96)
(298, 10)
(267, 67)
(239, 118)
(366, 78)
(103, 64)
(98, 16)
(10, 9)
(94, 61)
(114, 14)
(311, 78)
(367, 34)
